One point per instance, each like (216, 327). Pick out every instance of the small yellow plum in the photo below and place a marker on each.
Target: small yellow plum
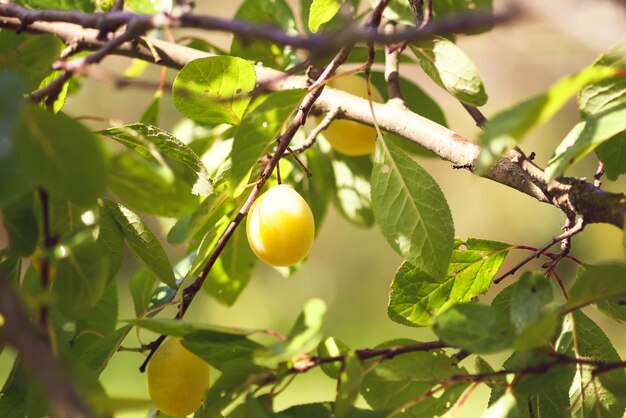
(177, 379)
(346, 136)
(280, 226)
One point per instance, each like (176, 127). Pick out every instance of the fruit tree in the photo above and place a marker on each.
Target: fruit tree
(267, 151)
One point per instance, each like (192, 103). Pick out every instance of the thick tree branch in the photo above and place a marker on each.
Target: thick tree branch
(34, 352)
(514, 170)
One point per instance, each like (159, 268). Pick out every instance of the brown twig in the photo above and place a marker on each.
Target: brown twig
(312, 138)
(392, 68)
(570, 232)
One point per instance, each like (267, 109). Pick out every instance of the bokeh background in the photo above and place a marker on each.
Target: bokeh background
(350, 268)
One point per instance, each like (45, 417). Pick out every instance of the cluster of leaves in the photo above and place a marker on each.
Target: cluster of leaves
(73, 200)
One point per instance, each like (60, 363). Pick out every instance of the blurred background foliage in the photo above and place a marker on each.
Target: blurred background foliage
(351, 268)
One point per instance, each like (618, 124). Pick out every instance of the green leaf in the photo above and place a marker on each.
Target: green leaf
(269, 12)
(399, 11)
(22, 225)
(149, 6)
(449, 67)
(214, 89)
(322, 11)
(98, 355)
(411, 210)
(332, 347)
(81, 278)
(506, 129)
(303, 337)
(151, 114)
(149, 187)
(258, 130)
(596, 283)
(445, 9)
(325, 410)
(596, 129)
(101, 319)
(141, 285)
(111, 240)
(350, 380)
(142, 242)
(215, 345)
(61, 155)
(475, 328)
(31, 56)
(584, 339)
(86, 6)
(318, 189)
(531, 312)
(612, 153)
(162, 147)
(231, 273)
(352, 195)
(505, 407)
(404, 378)
(236, 379)
(416, 297)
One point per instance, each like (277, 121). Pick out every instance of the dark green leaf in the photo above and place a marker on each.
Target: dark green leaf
(445, 9)
(61, 155)
(476, 328)
(399, 11)
(214, 89)
(258, 130)
(98, 355)
(325, 410)
(352, 189)
(303, 337)
(584, 339)
(151, 114)
(28, 55)
(416, 297)
(142, 242)
(99, 320)
(613, 154)
(532, 315)
(141, 285)
(231, 273)
(596, 283)
(404, 378)
(270, 12)
(411, 210)
(506, 129)
(111, 240)
(81, 278)
(22, 225)
(237, 378)
(449, 67)
(585, 137)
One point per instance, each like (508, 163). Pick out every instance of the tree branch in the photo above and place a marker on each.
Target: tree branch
(514, 170)
(35, 353)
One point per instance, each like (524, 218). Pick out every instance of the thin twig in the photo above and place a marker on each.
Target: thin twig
(597, 178)
(577, 228)
(312, 138)
(392, 68)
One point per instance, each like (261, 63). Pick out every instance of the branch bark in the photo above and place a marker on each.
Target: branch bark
(514, 170)
(35, 353)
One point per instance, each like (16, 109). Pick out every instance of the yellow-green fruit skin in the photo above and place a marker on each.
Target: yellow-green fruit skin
(346, 136)
(177, 379)
(280, 226)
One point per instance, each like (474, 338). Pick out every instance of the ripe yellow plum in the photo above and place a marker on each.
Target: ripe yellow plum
(346, 136)
(177, 379)
(280, 226)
